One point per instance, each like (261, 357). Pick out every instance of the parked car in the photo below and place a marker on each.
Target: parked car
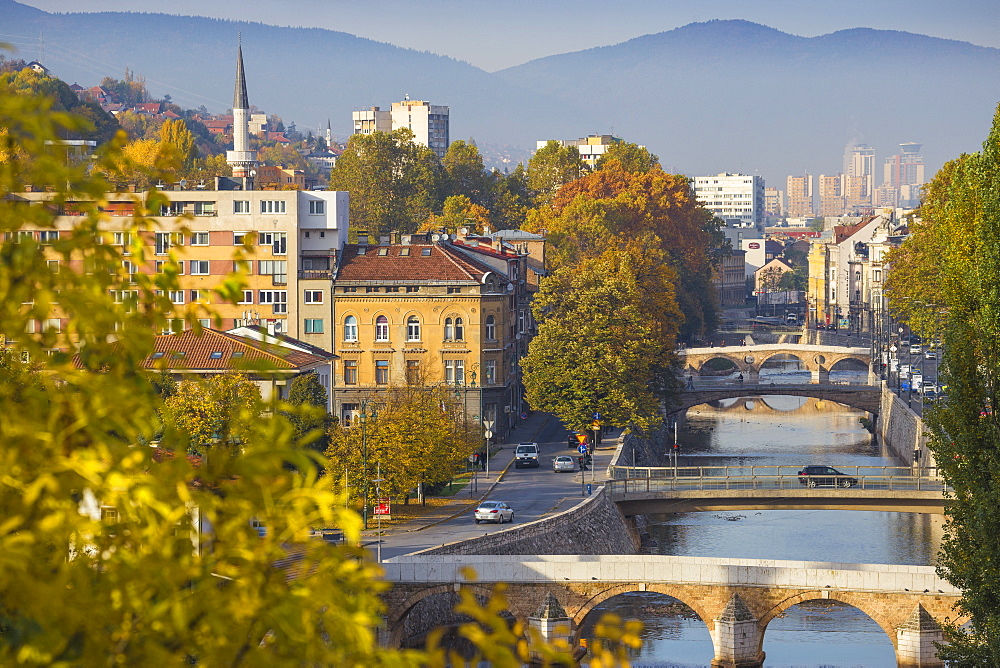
(526, 454)
(814, 476)
(563, 463)
(494, 511)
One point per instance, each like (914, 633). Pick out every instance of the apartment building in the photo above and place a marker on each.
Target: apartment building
(799, 196)
(592, 147)
(429, 123)
(294, 237)
(831, 195)
(432, 310)
(904, 173)
(736, 198)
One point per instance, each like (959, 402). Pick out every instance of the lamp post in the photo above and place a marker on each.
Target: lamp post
(363, 417)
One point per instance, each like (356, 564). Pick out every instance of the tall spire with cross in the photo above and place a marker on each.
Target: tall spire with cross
(242, 158)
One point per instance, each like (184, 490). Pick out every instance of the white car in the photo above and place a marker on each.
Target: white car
(494, 511)
(563, 463)
(915, 348)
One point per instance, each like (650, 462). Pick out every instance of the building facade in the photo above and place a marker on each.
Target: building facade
(799, 196)
(430, 310)
(429, 123)
(736, 198)
(592, 147)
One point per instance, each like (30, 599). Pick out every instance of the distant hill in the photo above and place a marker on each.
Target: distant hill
(734, 95)
(707, 97)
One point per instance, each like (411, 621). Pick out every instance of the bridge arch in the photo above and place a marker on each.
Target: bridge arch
(396, 620)
(860, 602)
(667, 590)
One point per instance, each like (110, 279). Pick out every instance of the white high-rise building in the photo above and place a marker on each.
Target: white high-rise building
(904, 172)
(736, 198)
(429, 123)
(858, 184)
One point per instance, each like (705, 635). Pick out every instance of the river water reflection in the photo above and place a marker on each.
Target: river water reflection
(791, 431)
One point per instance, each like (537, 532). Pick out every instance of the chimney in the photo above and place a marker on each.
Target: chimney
(384, 239)
(362, 238)
(405, 239)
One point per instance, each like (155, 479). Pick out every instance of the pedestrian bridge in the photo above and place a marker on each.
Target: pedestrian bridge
(735, 598)
(644, 490)
(818, 360)
(858, 396)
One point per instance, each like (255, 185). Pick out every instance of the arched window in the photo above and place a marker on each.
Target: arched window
(449, 329)
(459, 330)
(413, 328)
(491, 328)
(381, 328)
(350, 328)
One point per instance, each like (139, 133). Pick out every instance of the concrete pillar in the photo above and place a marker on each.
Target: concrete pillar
(553, 625)
(915, 641)
(737, 637)
(821, 375)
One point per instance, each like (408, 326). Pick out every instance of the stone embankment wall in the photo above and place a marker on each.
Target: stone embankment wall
(901, 430)
(647, 449)
(595, 526)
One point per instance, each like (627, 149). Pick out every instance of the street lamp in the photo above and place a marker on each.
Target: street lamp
(364, 416)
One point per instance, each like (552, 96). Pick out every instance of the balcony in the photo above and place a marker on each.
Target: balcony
(315, 274)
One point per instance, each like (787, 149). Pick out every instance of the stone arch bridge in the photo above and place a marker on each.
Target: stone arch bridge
(818, 360)
(735, 598)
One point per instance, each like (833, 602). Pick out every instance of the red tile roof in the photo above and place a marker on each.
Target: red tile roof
(194, 352)
(443, 263)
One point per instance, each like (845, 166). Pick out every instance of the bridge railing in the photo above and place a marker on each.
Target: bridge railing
(763, 470)
(772, 481)
(729, 383)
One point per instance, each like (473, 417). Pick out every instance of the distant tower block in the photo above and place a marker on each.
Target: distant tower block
(242, 158)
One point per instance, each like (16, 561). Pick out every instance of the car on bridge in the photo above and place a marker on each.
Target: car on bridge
(493, 511)
(827, 476)
(563, 463)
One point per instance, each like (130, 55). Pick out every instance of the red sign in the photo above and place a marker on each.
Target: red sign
(382, 507)
(754, 245)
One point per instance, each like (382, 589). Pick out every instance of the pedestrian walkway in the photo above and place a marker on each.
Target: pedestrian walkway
(501, 458)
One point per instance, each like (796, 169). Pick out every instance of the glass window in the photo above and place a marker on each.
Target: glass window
(350, 372)
(459, 330)
(449, 329)
(491, 328)
(198, 267)
(272, 206)
(413, 328)
(241, 206)
(314, 325)
(313, 296)
(454, 371)
(412, 372)
(490, 372)
(381, 372)
(381, 328)
(350, 328)
(199, 238)
(317, 207)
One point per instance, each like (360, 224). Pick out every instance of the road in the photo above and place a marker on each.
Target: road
(533, 494)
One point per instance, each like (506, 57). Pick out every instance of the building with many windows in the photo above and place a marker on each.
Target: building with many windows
(799, 196)
(736, 198)
(285, 241)
(432, 310)
(592, 147)
(429, 123)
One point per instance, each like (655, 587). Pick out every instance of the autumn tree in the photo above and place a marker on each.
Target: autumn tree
(464, 172)
(175, 134)
(222, 409)
(612, 206)
(606, 335)
(307, 400)
(630, 157)
(945, 281)
(509, 198)
(458, 212)
(395, 184)
(550, 168)
(418, 435)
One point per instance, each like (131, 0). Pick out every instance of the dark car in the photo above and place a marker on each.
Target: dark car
(814, 476)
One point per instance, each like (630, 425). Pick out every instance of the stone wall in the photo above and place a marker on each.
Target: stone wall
(901, 430)
(646, 449)
(595, 526)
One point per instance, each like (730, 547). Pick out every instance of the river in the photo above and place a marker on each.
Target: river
(790, 431)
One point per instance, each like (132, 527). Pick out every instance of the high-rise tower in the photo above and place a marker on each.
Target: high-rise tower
(242, 158)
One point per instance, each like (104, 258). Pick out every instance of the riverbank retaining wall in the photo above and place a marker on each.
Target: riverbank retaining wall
(901, 430)
(595, 526)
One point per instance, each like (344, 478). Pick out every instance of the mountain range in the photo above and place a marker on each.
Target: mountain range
(724, 95)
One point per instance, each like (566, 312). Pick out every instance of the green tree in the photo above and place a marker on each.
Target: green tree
(459, 211)
(465, 172)
(945, 279)
(509, 198)
(395, 184)
(551, 167)
(221, 409)
(606, 334)
(309, 416)
(631, 157)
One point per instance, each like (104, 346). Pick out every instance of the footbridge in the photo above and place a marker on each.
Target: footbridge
(859, 396)
(643, 490)
(735, 598)
(818, 360)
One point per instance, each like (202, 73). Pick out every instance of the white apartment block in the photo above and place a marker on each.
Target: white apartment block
(295, 237)
(429, 123)
(736, 198)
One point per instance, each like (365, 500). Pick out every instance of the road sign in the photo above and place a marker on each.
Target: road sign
(382, 507)
(582, 438)
(488, 433)
(524, 416)
(488, 424)
(582, 449)
(597, 416)
(595, 425)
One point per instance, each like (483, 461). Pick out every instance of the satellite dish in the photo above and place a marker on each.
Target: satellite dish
(453, 237)
(184, 183)
(435, 237)
(463, 231)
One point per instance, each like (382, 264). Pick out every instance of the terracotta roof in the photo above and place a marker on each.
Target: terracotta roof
(212, 350)
(442, 263)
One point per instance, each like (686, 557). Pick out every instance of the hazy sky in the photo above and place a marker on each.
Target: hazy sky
(493, 34)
